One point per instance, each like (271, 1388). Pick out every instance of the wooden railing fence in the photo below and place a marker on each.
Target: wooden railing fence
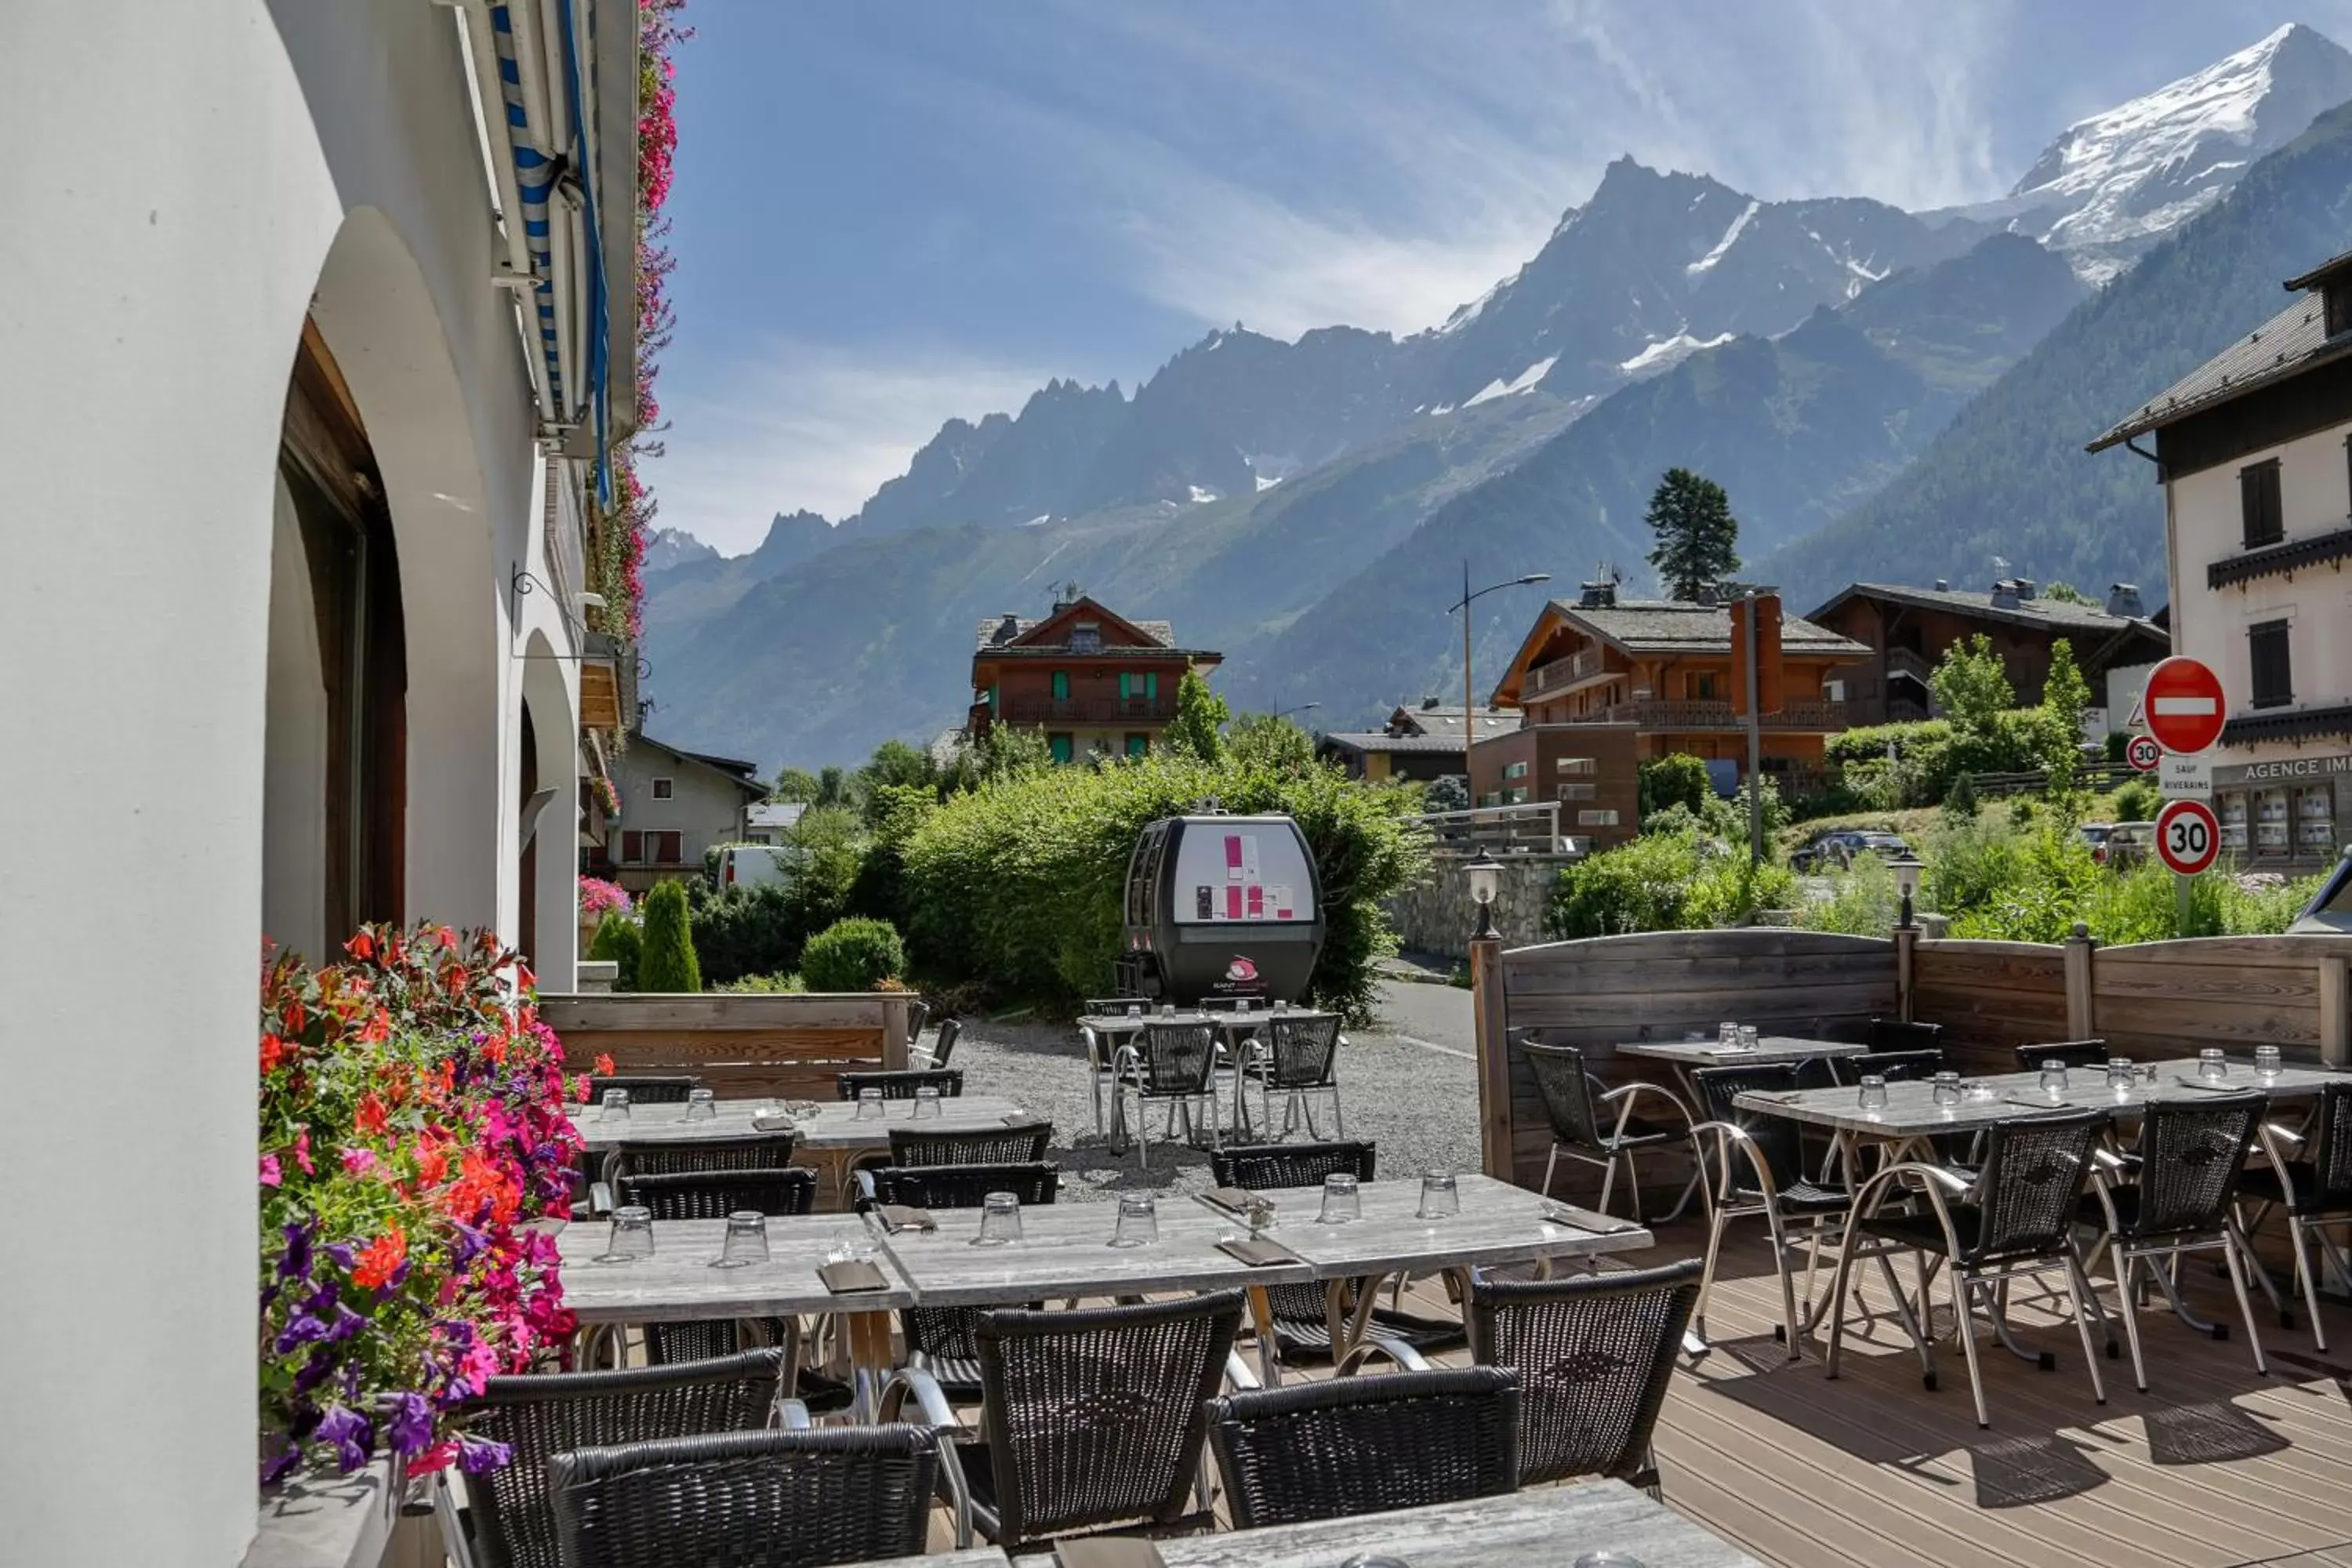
(786, 1046)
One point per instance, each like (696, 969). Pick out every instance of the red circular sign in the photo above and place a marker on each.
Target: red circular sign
(2183, 704)
(2143, 754)
(2187, 836)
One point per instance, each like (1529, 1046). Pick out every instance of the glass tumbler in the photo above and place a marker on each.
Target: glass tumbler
(746, 1240)
(2266, 1062)
(1872, 1096)
(2211, 1065)
(2054, 1078)
(1139, 1221)
(870, 1105)
(632, 1235)
(615, 1107)
(1341, 1202)
(1728, 1035)
(1168, 1009)
(1135, 1009)
(701, 1105)
(926, 1103)
(1948, 1089)
(1000, 1220)
(1747, 1036)
(1439, 1197)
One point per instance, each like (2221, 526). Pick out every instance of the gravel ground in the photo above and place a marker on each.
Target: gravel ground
(1407, 1085)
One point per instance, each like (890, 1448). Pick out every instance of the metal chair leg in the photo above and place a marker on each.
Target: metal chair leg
(2238, 1267)
(1608, 1180)
(1962, 1290)
(1837, 1295)
(2077, 1288)
(2130, 1263)
(1552, 1159)
(1717, 1220)
(1796, 1328)
(2306, 1279)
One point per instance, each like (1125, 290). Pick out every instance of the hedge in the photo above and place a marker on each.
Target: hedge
(855, 955)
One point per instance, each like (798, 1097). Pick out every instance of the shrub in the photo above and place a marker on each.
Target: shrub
(2138, 801)
(762, 985)
(855, 955)
(1864, 900)
(1871, 740)
(879, 889)
(617, 942)
(1197, 729)
(1960, 800)
(1019, 886)
(745, 931)
(1677, 780)
(1675, 880)
(667, 962)
(1446, 792)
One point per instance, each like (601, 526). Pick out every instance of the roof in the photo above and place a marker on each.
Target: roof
(1448, 745)
(1003, 634)
(2327, 272)
(774, 813)
(741, 773)
(1674, 625)
(2053, 614)
(2293, 342)
(1442, 723)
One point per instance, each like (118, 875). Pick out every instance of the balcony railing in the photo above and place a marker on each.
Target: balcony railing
(1903, 661)
(2282, 558)
(1085, 710)
(1564, 672)
(1653, 713)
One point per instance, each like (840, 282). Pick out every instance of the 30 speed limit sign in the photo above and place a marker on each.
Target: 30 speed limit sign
(2187, 836)
(2143, 754)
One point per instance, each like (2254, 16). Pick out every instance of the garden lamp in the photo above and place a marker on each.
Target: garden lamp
(1906, 878)
(1485, 881)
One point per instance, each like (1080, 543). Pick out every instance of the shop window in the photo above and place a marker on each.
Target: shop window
(665, 789)
(2314, 820)
(2271, 828)
(2231, 809)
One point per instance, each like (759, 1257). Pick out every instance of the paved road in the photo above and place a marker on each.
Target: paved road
(1433, 1014)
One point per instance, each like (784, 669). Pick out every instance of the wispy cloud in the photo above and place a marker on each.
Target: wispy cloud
(805, 425)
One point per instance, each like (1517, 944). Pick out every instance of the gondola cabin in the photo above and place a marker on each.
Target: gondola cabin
(1222, 907)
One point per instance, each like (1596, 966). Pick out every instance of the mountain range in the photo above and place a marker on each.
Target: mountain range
(1908, 392)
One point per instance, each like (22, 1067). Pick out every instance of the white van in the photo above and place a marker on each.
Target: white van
(752, 865)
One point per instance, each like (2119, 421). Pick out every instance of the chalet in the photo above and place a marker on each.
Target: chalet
(1907, 630)
(675, 804)
(1423, 742)
(1096, 682)
(2251, 448)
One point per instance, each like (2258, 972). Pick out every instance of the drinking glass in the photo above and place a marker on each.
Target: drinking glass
(1243, 1004)
(848, 1251)
(701, 1105)
(1168, 1009)
(1281, 1005)
(2121, 1074)
(1747, 1037)
(926, 1103)
(1439, 1197)
(1341, 1202)
(870, 1105)
(1000, 1220)
(2054, 1078)
(2266, 1062)
(632, 1235)
(1874, 1092)
(1260, 1213)
(1948, 1089)
(1139, 1221)
(2211, 1065)
(746, 1240)
(615, 1107)
(1135, 1009)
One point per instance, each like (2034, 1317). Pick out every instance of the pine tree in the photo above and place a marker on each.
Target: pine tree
(1697, 536)
(667, 962)
(617, 942)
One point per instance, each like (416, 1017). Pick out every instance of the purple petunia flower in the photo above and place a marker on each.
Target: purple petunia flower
(347, 1432)
(468, 1246)
(345, 1324)
(479, 1456)
(409, 1419)
(340, 1254)
(302, 1330)
(281, 1463)
(314, 1371)
(295, 1263)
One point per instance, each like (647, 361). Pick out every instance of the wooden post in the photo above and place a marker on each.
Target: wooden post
(1487, 1015)
(1906, 955)
(2081, 1011)
(2335, 1029)
(897, 1006)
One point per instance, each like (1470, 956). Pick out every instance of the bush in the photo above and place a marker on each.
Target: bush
(879, 889)
(667, 962)
(745, 930)
(1674, 880)
(1871, 740)
(1677, 780)
(2138, 801)
(855, 955)
(1864, 900)
(762, 985)
(597, 896)
(1019, 886)
(1446, 792)
(617, 942)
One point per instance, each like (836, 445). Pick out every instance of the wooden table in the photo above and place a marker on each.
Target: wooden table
(1713, 1053)
(831, 1137)
(1555, 1525)
(677, 1284)
(970, 1557)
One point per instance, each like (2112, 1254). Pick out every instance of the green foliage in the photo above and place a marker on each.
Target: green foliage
(2067, 593)
(832, 788)
(1446, 792)
(667, 962)
(893, 765)
(1005, 752)
(743, 931)
(1018, 887)
(795, 784)
(1972, 684)
(2065, 695)
(1261, 740)
(1960, 800)
(1697, 537)
(894, 812)
(1201, 716)
(855, 955)
(2047, 883)
(1869, 742)
(1731, 889)
(2138, 801)
(762, 985)
(1864, 900)
(618, 942)
(1673, 880)
(1677, 780)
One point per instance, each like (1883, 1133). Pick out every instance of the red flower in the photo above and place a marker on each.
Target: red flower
(370, 1117)
(604, 1064)
(273, 1051)
(378, 1259)
(362, 947)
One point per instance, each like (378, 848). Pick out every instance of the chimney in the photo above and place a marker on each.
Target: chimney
(2026, 588)
(2004, 594)
(1601, 596)
(2122, 599)
(1427, 703)
(1943, 585)
(1009, 628)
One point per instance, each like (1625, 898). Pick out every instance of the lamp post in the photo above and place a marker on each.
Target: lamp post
(1469, 703)
(1287, 713)
(1485, 881)
(1906, 878)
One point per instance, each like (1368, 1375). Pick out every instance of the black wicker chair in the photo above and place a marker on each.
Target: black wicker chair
(1757, 1167)
(1598, 1127)
(2015, 1215)
(747, 1500)
(1895, 1034)
(1300, 1313)
(758, 1151)
(1174, 1064)
(541, 1416)
(1594, 1354)
(940, 1339)
(646, 1088)
(1351, 1446)
(943, 1044)
(1021, 1145)
(1091, 1419)
(715, 1194)
(1895, 1066)
(901, 1085)
(2073, 1053)
(1114, 1007)
(2310, 1174)
(1294, 1056)
(2180, 1200)
(919, 1014)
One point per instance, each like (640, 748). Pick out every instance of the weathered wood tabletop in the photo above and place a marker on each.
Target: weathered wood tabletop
(1497, 1224)
(1557, 1525)
(970, 1557)
(678, 1284)
(1064, 1250)
(834, 1125)
(1122, 1024)
(1714, 1053)
(1911, 1110)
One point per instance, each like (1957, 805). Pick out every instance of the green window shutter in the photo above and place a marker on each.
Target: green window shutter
(1061, 746)
(1061, 686)
(1151, 687)
(1123, 678)
(1139, 745)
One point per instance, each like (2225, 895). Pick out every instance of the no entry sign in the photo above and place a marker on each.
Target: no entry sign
(2143, 754)
(2183, 704)
(2187, 835)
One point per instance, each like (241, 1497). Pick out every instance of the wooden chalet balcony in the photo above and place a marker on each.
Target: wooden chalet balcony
(1654, 713)
(1573, 670)
(1085, 710)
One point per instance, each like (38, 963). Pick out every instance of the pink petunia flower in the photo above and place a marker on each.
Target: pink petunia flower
(269, 1175)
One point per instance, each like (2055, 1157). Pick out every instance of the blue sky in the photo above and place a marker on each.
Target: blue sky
(889, 213)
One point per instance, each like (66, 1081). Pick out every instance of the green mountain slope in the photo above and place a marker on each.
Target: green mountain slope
(2010, 477)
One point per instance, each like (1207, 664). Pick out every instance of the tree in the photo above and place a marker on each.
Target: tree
(894, 764)
(1446, 792)
(1678, 779)
(667, 962)
(1005, 752)
(832, 788)
(617, 942)
(1960, 801)
(1971, 685)
(1691, 516)
(1263, 740)
(795, 784)
(2065, 695)
(2067, 593)
(1201, 715)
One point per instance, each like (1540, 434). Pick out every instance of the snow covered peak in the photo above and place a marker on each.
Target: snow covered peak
(2113, 182)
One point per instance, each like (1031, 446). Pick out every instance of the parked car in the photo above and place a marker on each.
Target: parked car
(1837, 848)
(2120, 844)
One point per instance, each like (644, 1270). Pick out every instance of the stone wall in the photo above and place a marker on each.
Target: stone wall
(1437, 915)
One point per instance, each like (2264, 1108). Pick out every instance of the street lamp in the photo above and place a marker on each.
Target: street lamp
(1469, 703)
(1485, 881)
(1906, 878)
(1302, 707)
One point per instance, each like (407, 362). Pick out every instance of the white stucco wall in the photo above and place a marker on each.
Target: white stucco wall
(294, 757)
(704, 807)
(193, 175)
